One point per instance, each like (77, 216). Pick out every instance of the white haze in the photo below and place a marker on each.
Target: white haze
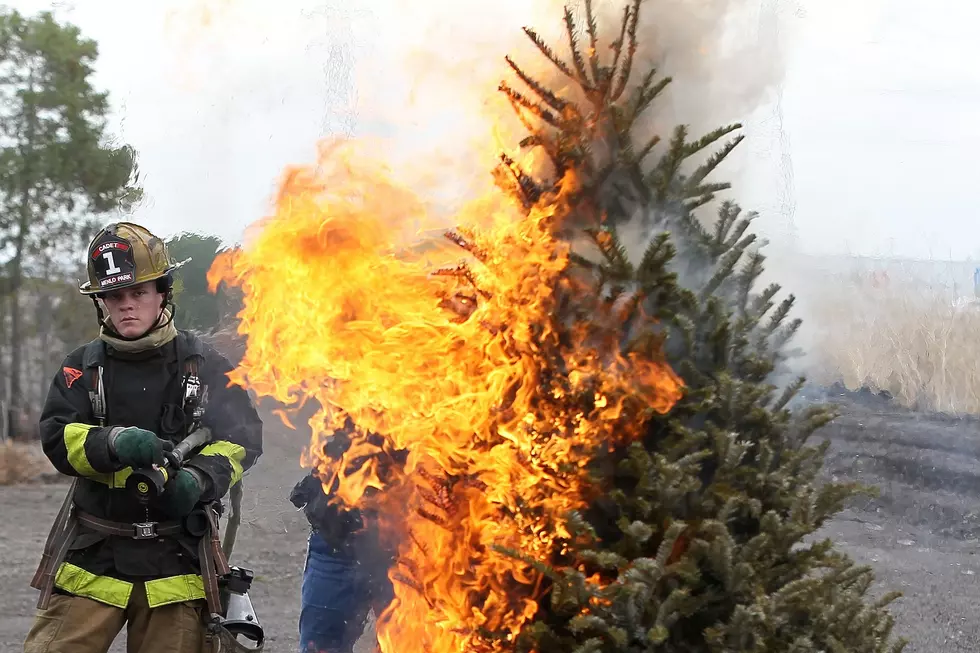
(858, 118)
(218, 96)
(878, 97)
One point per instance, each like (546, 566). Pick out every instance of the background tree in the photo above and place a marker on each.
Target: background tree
(57, 167)
(197, 307)
(696, 538)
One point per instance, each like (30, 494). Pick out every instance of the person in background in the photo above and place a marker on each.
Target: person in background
(346, 570)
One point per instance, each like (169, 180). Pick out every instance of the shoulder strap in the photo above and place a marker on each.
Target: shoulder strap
(96, 395)
(191, 349)
(195, 391)
(92, 361)
(192, 364)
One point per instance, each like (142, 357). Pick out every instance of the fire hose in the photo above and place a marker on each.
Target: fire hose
(237, 621)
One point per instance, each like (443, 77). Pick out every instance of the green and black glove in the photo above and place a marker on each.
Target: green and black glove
(182, 493)
(138, 448)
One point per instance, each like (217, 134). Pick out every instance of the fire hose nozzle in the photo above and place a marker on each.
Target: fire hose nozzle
(148, 483)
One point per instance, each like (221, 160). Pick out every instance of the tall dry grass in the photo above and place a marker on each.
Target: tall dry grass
(920, 342)
(23, 462)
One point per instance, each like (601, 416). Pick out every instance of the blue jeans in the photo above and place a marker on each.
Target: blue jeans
(338, 592)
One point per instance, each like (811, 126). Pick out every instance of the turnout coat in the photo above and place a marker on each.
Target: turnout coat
(142, 389)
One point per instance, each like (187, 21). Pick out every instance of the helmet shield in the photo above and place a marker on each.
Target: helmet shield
(112, 263)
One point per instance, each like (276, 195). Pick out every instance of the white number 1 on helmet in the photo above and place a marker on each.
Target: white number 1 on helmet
(112, 269)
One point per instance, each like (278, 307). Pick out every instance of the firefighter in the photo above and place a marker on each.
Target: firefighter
(115, 405)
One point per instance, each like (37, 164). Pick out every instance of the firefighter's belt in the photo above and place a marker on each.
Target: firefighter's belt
(138, 531)
(211, 557)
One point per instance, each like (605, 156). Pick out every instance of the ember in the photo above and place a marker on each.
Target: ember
(480, 375)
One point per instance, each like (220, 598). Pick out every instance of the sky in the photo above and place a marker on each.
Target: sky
(859, 134)
(880, 106)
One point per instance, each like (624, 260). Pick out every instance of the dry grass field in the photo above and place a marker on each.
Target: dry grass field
(22, 462)
(919, 342)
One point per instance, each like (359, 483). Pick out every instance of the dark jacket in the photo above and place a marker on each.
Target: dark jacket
(143, 390)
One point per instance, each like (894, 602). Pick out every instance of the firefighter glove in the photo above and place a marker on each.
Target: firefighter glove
(138, 448)
(181, 494)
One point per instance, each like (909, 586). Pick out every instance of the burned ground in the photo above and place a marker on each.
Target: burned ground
(921, 535)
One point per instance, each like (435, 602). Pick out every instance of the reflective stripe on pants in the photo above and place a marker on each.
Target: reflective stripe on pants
(115, 592)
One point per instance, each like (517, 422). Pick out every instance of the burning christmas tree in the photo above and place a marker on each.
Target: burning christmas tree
(564, 448)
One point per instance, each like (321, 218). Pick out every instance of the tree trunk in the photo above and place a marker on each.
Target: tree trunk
(16, 319)
(20, 245)
(42, 322)
(4, 365)
(4, 343)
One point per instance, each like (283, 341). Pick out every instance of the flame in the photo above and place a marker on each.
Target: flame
(477, 399)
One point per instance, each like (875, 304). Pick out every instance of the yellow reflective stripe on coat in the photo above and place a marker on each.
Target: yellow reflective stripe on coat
(115, 592)
(75, 437)
(115, 480)
(235, 453)
(104, 589)
(174, 589)
(119, 478)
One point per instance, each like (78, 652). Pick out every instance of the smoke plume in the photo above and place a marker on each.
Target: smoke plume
(430, 77)
(422, 79)
(417, 87)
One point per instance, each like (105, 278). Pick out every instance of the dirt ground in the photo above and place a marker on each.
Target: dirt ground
(921, 536)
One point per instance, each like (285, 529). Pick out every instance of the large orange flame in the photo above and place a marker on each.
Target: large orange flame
(500, 378)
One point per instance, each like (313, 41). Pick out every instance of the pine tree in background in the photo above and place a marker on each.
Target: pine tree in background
(697, 537)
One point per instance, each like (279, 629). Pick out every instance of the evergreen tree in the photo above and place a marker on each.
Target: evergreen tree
(197, 307)
(57, 166)
(696, 536)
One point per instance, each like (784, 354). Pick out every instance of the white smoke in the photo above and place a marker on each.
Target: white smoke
(424, 77)
(430, 78)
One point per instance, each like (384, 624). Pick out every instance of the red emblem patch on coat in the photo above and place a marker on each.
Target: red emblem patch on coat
(71, 375)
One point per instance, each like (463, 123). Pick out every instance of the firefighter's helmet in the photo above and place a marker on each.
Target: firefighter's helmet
(124, 254)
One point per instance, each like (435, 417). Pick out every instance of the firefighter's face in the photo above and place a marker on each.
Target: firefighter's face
(133, 310)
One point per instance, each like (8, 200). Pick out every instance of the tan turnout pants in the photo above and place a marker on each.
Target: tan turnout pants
(74, 624)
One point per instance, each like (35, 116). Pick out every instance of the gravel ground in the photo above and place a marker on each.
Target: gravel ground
(921, 535)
